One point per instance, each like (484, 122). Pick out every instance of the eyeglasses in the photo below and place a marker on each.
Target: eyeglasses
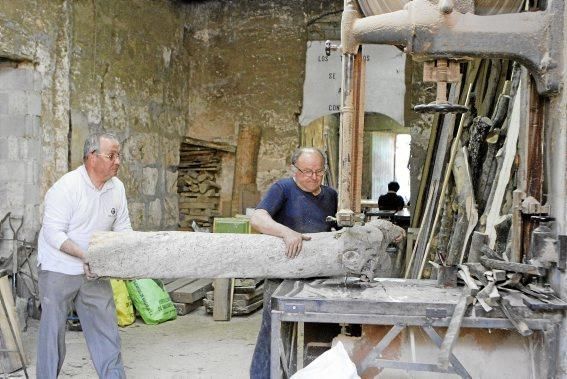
(319, 173)
(111, 157)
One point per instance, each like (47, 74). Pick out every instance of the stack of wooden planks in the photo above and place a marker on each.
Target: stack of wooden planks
(198, 191)
(247, 298)
(187, 293)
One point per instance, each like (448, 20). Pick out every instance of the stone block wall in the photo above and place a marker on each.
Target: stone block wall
(20, 151)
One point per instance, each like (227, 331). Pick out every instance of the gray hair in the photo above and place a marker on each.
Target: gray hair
(92, 142)
(308, 150)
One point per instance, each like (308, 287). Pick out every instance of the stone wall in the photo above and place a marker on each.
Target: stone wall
(130, 74)
(154, 72)
(34, 120)
(247, 68)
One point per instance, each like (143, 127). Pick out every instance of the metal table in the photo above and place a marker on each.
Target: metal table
(396, 302)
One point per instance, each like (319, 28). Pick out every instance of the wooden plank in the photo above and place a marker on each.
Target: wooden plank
(196, 206)
(206, 201)
(465, 275)
(15, 359)
(188, 166)
(425, 171)
(467, 211)
(223, 299)
(184, 308)
(250, 295)
(515, 318)
(516, 228)
(192, 292)
(477, 270)
(192, 217)
(553, 304)
(239, 298)
(196, 196)
(454, 328)
(412, 262)
(243, 303)
(213, 145)
(478, 240)
(247, 282)
(177, 283)
(243, 289)
(445, 138)
(439, 201)
(512, 266)
(237, 310)
(506, 157)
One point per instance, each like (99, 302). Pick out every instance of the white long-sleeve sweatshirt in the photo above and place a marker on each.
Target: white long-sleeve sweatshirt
(75, 209)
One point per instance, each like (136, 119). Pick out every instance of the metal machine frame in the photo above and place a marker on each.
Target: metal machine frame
(322, 302)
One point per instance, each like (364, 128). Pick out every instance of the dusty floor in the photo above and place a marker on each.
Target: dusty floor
(192, 346)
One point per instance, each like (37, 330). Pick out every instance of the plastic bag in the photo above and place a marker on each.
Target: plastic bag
(332, 364)
(151, 300)
(124, 309)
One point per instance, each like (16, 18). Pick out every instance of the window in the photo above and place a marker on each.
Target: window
(390, 157)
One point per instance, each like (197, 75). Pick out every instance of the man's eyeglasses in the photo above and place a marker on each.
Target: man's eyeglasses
(319, 173)
(111, 157)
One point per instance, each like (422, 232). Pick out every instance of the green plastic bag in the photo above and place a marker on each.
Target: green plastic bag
(124, 309)
(151, 300)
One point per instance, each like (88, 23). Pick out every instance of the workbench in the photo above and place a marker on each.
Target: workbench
(399, 303)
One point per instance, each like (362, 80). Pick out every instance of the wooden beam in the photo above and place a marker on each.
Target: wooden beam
(246, 167)
(468, 215)
(505, 158)
(213, 145)
(425, 228)
(454, 328)
(454, 147)
(222, 306)
(515, 267)
(358, 130)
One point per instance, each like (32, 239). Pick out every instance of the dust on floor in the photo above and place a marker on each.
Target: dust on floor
(192, 346)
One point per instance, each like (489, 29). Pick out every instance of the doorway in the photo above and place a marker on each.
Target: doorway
(390, 157)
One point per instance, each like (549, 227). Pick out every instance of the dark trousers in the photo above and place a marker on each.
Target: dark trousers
(260, 367)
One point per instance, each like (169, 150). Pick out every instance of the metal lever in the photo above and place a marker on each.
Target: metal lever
(442, 72)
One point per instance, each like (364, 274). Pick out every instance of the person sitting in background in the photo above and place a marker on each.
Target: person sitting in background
(391, 201)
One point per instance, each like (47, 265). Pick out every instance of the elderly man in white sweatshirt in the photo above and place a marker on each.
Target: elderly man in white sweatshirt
(83, 201)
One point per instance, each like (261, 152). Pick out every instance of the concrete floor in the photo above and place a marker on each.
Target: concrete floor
(192, 346)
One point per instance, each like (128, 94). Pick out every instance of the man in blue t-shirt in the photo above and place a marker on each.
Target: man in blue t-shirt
(291, 207)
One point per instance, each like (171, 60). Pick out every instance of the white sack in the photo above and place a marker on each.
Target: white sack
(332, 364)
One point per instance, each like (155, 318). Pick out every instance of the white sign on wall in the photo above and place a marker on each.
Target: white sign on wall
(385, 82)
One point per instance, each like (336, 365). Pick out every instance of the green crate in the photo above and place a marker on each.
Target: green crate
(231, 225)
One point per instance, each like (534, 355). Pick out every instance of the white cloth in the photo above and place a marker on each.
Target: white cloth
(75, 209)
